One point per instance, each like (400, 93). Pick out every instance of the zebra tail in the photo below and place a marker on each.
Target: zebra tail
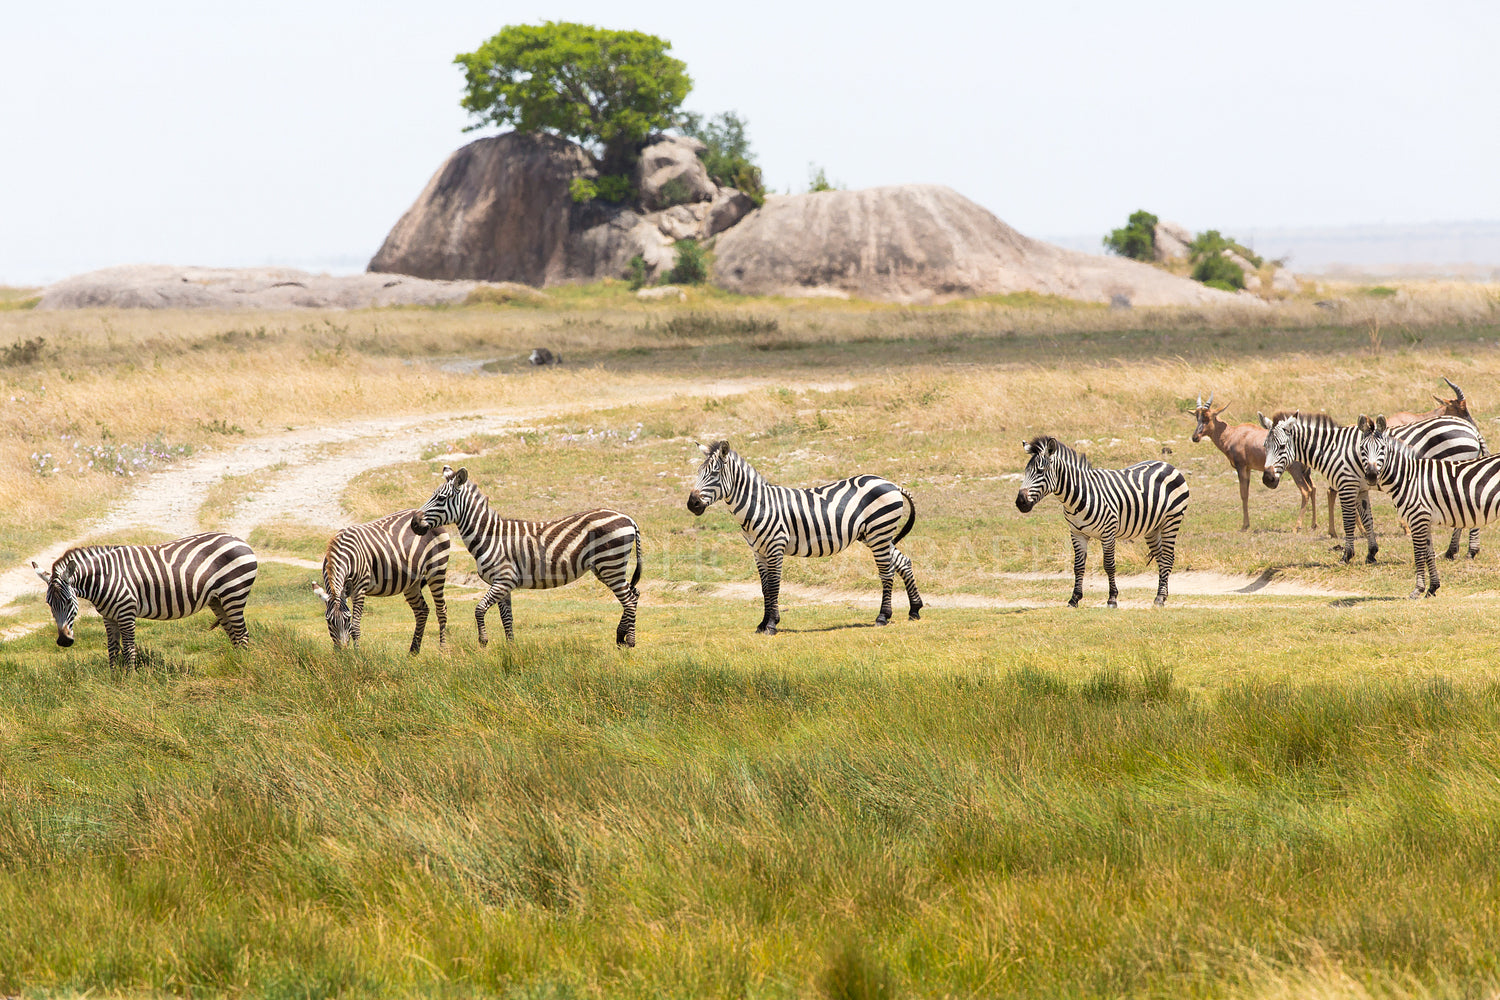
(637, 577)
(910, 520)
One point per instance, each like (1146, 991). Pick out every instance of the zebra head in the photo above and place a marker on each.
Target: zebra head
(1039, 478)
(340, 619)
(710, 486)
(445, 505)
(1374, 450)
(61, 598)
(1278, 445)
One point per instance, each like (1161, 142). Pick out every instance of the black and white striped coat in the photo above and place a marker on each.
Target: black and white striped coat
(1318, 441)
(1146, 500)
(778, 521)
(156, 582)
(536, 555)
(1460, 494)
(383, 558)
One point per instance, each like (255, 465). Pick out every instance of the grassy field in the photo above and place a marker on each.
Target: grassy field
(1238, 795)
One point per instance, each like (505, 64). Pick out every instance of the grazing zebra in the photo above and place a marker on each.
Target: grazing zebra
(156, 582)
(782, 520)
(1146, 500)
(536, 555)
(1332, 449)
(383, 558)
(1461, 494)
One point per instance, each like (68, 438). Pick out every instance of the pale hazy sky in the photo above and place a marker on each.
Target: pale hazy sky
(298, 132)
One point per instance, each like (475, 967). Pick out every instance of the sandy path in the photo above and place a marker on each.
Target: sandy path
(318, 463)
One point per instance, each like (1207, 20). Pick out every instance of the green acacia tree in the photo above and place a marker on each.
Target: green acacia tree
(1136, 239)
(607, 90)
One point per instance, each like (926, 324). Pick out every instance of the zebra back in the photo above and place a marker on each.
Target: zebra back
(160, 582)
(386, 555)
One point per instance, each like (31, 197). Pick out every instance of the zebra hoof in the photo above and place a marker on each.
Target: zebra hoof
(766, 630)
(915, 614)
(628, 642)
(1113, 603)
(1160, 602)
(882, 620)
(1073, 601)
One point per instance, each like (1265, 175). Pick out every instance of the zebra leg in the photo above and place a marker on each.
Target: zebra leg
(440, 603)
(909, 578)
(1080, 554)
(1458, 534)
(887, 579)
(496, 591)
(1367, 516)
(1473, 542)
(629, 599)
(505, 618)
(1349, 509)
(1424, 555)
(127, 640)
(1108, 544)
(770, 588)
(356, 616)
(232, 619)
(112, 640)
(419, 611)
(1164, 551)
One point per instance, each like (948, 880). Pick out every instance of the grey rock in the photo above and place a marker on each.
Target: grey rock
(668, 160)
(498, 209)
(164, 287)
(729, 206)
(921, 243)
(1172, 239)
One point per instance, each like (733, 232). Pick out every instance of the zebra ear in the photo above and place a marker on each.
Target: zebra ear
(460, 477)
(1380, 424)
(702, 447)
(447, 472)
(1364, 424)
(322, 594)
(46, 576)
(1263, 421)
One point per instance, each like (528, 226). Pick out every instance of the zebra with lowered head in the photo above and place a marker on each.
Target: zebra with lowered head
(781, 520)
(1461, 494)
(383, 558)
(536, 555)
(155, 582)
(1318, 441)
(1146, 500)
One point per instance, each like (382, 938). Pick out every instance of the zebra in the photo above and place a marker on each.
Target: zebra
(1462, 494)
(536, 555)
(781, 520)
(1318, 441)
(1146, 500)
(157, 582)
(383, 558)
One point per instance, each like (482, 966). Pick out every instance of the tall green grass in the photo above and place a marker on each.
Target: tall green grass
(975, 805)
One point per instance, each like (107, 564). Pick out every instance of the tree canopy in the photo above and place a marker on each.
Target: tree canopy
(607, 90)
(1137, 239)
(727, 158)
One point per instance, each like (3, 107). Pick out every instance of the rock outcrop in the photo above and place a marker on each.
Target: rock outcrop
(921, 243)
(150, 286)
(670, 173)
(1172, 241)
(499, 209)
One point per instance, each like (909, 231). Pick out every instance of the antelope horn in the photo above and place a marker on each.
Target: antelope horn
(1210, 399)
(1456, 389)
(1200, 401)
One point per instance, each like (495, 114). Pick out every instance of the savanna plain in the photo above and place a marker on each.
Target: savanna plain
(1286, 782)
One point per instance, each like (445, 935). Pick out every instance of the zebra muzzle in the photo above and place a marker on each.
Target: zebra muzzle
(1024, 503)
(64, 639)
(1270, 479)
(695, 504)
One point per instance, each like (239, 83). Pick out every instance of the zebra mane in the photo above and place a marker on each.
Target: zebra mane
(1309, 419)
(1051, 444)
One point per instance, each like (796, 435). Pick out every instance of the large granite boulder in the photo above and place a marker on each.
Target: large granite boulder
(921, 243)
(670, 173)
(1172, 241)
(154, 286)
(499, 209)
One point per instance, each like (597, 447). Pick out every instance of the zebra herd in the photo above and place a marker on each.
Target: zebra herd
(1437, 468)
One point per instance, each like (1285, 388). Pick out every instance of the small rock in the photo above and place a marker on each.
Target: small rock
(1119, 300)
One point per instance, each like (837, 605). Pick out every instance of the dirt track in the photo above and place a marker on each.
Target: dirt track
(317, 464)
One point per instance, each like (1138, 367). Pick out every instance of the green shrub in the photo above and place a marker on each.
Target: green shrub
(1380, 292)
(1212, 244)
(1218, 271)
(692, 264)
(582, 189)
(727, 156)
(637, 276)
(817, 180)
(1136, 239)
(615, 188)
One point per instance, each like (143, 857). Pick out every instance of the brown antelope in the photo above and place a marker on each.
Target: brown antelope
(1456, 407)
(1245, 447)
